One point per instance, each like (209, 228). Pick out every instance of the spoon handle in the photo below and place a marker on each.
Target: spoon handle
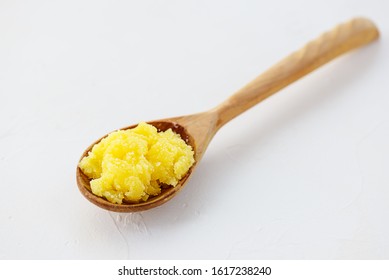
(341, 39)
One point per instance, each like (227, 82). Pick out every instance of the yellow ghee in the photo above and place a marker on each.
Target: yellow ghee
(132, 164)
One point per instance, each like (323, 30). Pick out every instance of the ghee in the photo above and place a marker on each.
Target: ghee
(132, 164)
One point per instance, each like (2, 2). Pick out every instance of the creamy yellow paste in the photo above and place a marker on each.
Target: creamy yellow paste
(132, 164)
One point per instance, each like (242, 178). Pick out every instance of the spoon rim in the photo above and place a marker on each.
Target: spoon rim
(83, 181)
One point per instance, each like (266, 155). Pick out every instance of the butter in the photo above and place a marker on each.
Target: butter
(132, 164)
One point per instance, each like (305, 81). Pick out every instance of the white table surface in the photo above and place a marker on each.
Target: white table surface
(304, 175)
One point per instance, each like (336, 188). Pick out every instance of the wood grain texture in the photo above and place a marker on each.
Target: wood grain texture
(199, 129)
(341, 39)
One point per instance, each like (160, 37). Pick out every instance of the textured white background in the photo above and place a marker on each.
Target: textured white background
(304, 175)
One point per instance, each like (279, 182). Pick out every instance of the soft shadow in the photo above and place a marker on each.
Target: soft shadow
(342, 73)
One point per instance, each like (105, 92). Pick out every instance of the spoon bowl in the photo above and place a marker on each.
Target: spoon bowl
(197, 130)
(179, 125)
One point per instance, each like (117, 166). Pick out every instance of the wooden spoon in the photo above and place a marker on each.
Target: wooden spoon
(199, 129)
